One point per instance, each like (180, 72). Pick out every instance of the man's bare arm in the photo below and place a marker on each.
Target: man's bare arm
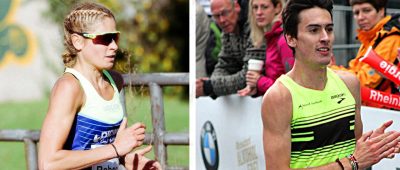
(353, 84)
(276, 116)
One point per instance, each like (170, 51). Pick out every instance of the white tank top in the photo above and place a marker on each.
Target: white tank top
(97, 122)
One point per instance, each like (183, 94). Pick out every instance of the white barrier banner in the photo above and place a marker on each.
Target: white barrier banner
(372, 118)
(235, 141)
(229, 133)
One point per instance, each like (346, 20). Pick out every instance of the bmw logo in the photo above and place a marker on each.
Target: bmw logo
(209, 146)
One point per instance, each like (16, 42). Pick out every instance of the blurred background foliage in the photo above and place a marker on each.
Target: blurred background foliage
(154, 34)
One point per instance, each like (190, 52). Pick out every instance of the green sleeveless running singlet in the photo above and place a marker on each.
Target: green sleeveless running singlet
(322, 126)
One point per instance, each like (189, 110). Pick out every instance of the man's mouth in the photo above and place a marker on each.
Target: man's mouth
(323, 49)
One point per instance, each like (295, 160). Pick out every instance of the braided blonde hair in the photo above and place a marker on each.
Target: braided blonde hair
(81, 19)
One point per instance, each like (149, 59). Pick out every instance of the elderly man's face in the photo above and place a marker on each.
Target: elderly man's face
(225, 14)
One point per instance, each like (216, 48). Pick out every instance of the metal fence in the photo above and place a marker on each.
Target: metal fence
(159, 138)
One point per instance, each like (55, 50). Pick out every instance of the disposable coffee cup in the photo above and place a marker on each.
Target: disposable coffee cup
(255, 65)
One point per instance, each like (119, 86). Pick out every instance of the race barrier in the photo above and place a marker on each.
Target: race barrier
(380, 97)
(160, 138)
(229, 133)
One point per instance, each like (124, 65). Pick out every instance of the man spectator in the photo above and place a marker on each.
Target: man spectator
(229, 74)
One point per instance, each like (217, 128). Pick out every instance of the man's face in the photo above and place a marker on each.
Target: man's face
(225, 14)
(366, 15)
(315, 36)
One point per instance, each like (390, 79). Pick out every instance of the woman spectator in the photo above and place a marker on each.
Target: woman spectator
(266, 27)
(379, 31)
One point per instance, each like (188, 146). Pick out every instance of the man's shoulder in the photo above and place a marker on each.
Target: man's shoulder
(277, 101)
(348, 78)
(277, 93)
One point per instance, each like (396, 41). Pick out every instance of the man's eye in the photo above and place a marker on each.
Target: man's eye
(313, 30)
(223, 13)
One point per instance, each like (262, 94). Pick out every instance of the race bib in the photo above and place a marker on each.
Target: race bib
(111, 164)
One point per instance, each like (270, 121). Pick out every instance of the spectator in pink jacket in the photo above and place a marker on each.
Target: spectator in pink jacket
(265, 19)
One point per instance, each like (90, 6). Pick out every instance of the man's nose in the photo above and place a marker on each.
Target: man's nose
(221, 18)
(324, 36)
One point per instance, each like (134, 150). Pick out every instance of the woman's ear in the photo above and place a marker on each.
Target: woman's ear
(278, 8)
(77, 41)
(381, 12)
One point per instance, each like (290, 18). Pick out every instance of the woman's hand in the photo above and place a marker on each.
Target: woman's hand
(247, 91)
(137, 161)
(252, 78)
(129, 138)
(251, 82)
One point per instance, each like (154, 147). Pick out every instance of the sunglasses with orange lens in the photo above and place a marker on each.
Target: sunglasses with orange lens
(105, 38)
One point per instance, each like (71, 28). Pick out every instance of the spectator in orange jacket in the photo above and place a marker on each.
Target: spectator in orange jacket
(383, 34)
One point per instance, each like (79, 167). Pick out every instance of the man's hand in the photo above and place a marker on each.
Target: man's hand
(137, 161)
(200, 85)
(370, 151)
(381, 130)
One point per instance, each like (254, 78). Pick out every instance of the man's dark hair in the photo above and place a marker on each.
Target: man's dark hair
(377, 4)
(290, 14)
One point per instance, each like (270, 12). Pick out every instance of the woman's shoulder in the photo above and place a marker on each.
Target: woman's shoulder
(68, 82)
(118, 79)
(67, 89)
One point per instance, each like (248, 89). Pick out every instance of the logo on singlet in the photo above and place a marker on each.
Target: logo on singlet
(338, 96)
(105, 137)
(341, 99)
(301, 106)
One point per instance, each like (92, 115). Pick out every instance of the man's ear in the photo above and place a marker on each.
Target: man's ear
(77, 41)
(237, 7)
(291, 41)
